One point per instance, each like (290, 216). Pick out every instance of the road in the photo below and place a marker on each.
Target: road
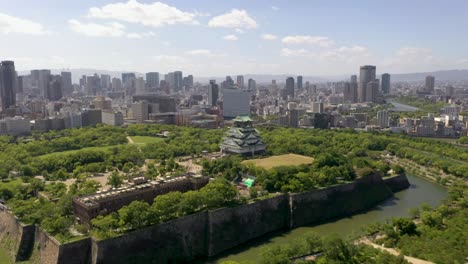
(393, 252)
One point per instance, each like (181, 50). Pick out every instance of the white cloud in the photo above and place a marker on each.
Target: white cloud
(323, 42)
(231, 37)
(285, 52)
(235, 19)
(168, 59)
(275, 8)
(10, 24)
(140, 35)
(269, 37)
(199, 52)
(408, 59)
(97, 30)
(240, 31)
(412, 54)
(345, 53)
(156, 14)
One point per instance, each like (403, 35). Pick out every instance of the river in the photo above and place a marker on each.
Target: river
(420, 191)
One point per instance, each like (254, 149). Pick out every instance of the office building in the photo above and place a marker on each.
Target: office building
(91, 117)
(152, 80)
(112, 118)
(140, 111)
(299, 83)
(430, 83)
(240, 81)
(366, 75)
(8, 82)
(382, 118)
(140, 87)
(116, 85)
(252, 86)
(235, 102)
(385, 83)
(449, 90)
(188, 82)
(372, 91)
(165, 103)
(127, 77)
(67, 87)
(105, 82)
(353, 79)
(290, 87)
(54, 89)
(350, 92)
(317, 107)
(178, 81)
(93, 85)
(213, 93)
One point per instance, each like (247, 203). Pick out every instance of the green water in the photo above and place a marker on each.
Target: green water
(420, 191)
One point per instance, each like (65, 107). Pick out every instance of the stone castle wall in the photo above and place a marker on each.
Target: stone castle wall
(209, 233)
(16, 237)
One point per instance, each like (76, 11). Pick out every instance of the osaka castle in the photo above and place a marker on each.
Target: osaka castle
(242, 138)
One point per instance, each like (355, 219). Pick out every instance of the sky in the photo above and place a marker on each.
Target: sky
(217, 38)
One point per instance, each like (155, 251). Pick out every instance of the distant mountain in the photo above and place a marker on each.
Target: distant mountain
(448, 75)
(454, 75)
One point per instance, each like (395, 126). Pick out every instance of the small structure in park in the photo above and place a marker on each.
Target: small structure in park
(242, 138)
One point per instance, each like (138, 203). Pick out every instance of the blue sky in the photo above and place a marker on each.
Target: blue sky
(215, 38)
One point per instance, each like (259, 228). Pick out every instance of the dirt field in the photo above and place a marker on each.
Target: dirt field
(281, 160)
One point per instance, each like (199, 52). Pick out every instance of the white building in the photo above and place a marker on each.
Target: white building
(382, 118)
(112, 118)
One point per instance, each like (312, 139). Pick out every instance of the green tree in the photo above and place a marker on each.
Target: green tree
(135, 215)
(115, 180)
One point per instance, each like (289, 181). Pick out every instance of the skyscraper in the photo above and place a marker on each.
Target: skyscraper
(105, 82)
(67, 87)
(252, 86)
(126, 77)
(240, 81)
(178, 84)
(366, 75)
(430, 83)
(353, 78)
(213, 93)
(152, 80)
(372, 91)
(350, 92)
(386, 83)
(8, 82)
(299, 82)
(116, 85)
(290, 87)
(55, 89)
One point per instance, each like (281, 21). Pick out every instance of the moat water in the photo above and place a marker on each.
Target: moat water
(420, 191)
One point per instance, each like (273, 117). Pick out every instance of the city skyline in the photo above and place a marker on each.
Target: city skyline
(213, 38)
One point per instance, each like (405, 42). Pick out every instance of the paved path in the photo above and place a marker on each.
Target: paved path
(393, 252)
(130, 140)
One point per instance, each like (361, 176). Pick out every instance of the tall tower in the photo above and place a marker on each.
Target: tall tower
(386, 83)
(299, 82)
(366, 75)
(240, 81)
(67, 87)
(430, 83)
(8, 82)
(252, 86)
(290, 87)
(213, 93)
(152, 80)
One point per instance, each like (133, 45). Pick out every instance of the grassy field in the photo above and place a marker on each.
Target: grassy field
(4, 259)
(146, 140)
(281, 160)
(105, 148)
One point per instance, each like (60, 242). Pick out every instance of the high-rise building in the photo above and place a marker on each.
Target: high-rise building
(372, 91)
(140, 87)
(386, 83)
(93, 84)
(40, 80)
(353, 78)
(152, 80)
(430, 83)
(55, 89)
(116, 85)
(449, 90)
(178, 83)
(290, 87)
(350, 92)
(252, 86)
(8, 81)
(382, 118)
(240, 81)
(188, 82)
(366, 75)
(228, 83)
(299, 82)
(213, 93)
(127, 77)
(235, 102)
(67, 87)
(105, 82)
(140, 111)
